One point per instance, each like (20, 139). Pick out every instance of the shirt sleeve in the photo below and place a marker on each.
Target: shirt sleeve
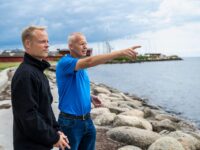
(32, 123)
(67, 65)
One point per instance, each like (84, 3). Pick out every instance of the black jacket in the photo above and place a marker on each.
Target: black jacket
(34, 125)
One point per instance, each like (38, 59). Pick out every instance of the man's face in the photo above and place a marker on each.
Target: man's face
(79, 46)
(38, 45)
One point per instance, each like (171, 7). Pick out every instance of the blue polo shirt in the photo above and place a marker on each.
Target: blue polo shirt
(73, 87)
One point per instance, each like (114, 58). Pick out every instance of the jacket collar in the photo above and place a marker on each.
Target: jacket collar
(41, 65)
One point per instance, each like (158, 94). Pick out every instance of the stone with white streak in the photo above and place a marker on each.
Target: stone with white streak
(121, 120)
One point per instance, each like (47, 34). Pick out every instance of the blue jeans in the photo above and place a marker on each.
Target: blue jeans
(81, 133)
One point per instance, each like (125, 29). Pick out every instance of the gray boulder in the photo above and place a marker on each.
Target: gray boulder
(104, 119)
(188, 141)
(166, 143)
(5, 106)
(133, 112)
(118, 110)
(1, 147)
(166, 116)
(148, 112)
(98, 111)
(3, 79)
(129, 147)
(121, 120)
(116, 95)
(165, 124)
(133, 136)
(98, 90)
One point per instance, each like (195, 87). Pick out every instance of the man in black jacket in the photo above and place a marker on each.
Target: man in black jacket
(34, 125)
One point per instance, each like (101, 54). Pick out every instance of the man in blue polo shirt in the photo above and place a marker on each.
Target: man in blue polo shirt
(74, 91)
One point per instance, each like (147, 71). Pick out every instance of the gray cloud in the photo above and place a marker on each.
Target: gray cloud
(98, 19)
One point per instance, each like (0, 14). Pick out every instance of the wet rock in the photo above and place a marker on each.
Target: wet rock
(166, 124)
(186, 126)
(166, 116)
(148, 112)
(151, 106)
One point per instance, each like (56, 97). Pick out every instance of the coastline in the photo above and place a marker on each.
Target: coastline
(139, 61)
(123, 120)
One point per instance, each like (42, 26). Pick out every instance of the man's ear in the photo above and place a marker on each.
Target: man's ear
(27, 43)
(70, 46)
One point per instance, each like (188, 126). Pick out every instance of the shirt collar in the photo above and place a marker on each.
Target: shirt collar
(41, 65)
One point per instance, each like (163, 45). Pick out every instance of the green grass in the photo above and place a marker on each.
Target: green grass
(4, 65)
(53, 62)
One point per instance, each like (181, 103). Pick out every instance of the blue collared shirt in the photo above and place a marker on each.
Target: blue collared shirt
(73, 87)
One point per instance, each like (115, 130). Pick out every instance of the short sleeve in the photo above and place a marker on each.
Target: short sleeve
(67, 65)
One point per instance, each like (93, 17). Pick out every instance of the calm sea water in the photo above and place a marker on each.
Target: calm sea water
(174, 85)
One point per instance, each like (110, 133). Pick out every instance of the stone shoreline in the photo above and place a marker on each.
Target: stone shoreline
(140, 61)
(126, 122)
(132, 121)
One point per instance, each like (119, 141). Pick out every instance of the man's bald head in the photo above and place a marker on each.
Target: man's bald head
(74, 37)
(77, 44)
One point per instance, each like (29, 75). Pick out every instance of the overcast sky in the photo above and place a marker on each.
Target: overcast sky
(166, 26)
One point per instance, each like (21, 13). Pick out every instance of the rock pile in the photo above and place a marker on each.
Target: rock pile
(138, 125)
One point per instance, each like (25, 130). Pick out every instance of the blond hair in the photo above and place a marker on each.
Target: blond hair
(29, 31)
(72, 37)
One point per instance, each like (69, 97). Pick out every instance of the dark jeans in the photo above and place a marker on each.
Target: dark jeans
(81, 133)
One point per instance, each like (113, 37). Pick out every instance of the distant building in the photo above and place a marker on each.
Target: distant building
(14, 52)
(153, 54)
(17, 55)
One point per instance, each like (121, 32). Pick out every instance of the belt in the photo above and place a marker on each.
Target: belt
(70, 116)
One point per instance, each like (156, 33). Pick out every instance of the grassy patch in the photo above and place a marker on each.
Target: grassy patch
(53, 62)
(4, 65)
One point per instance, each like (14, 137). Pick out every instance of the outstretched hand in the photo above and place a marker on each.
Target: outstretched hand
(130, 52)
